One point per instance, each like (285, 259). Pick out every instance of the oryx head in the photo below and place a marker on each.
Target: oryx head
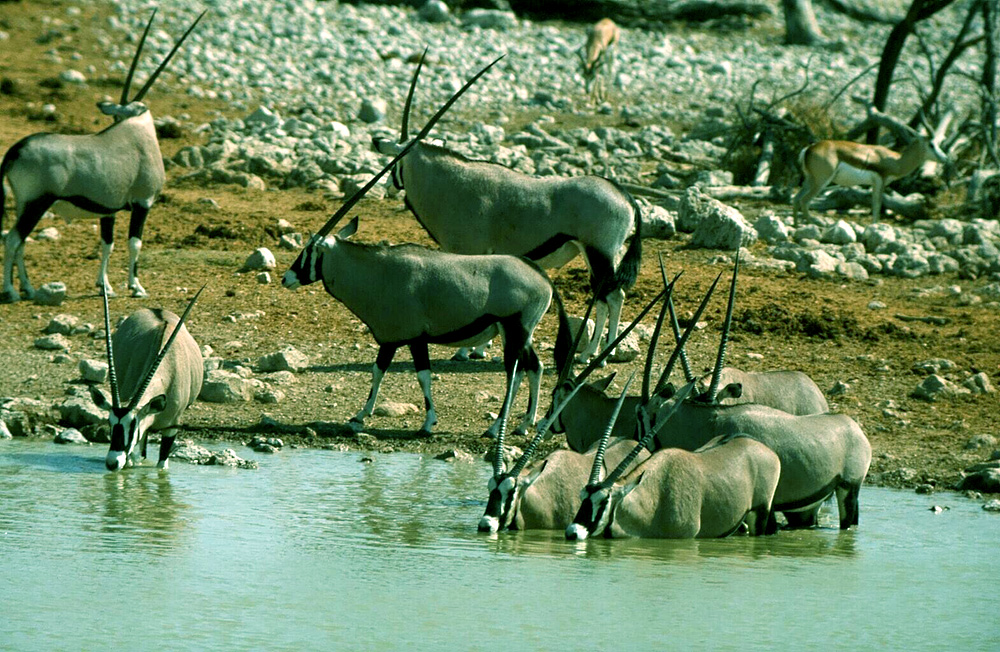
(506, 486)
(601, 497)
(308, 266)
(131, 108)
(127, 421)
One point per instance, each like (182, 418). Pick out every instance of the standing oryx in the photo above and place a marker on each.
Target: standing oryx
(159, 380)
(476, 207)
(597, 57)
(94, 174)
(847, 163)
(412, 296)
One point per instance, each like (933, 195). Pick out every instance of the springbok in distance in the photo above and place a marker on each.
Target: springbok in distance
(847, 163)
(476, 207)
(546, 495)
(597, 57)
(412, 296)
(160, 379)
(93, 174)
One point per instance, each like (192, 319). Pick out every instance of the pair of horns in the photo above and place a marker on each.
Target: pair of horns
(138, 51)
(357, 196)
(112, 376)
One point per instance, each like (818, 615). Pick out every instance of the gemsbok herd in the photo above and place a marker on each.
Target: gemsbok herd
(708, 457)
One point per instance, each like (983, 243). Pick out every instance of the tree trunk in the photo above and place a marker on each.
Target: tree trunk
(801, 27)
(991, 21)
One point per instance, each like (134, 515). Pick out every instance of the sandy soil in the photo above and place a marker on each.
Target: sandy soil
(823, 328)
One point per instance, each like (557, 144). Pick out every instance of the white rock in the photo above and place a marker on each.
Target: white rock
(771, 229)
(48, 234)
(71, 436)
(434, 11)
(840, 233)
(5, 431)
(935, 386)
(225, 387)
(287, 359)
(62, 324)
(51, 294)
(78, 412)
(55, 342)
(372, 110)
(391, 409)
(263, 278)
(261, 259)
(490, 19)
(723, 227)
(73, 77)
(93, 371)
(979, 384)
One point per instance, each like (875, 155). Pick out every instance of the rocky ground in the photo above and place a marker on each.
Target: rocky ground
(281, 132)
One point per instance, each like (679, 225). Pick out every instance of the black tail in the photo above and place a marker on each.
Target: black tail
(628, 268)
(564, 337)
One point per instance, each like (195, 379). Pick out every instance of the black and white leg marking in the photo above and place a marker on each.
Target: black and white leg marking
(382, 362)
(422, 364)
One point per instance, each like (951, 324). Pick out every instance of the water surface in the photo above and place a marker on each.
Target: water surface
(319, 550)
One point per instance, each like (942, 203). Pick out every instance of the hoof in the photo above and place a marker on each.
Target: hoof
(460, 356)
(109, 291)
(520, 432)
(476, 355)
(424, 432)
(10, 297)
(139, 293)
(489, 434)
(357, 425)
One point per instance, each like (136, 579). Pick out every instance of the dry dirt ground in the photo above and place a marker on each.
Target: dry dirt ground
(823, 328)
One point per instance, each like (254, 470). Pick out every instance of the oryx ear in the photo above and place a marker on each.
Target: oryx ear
(349, 229)
(667, 392)
(158, 404)
(534, 474)
(732, 390)
(627, 489)
(603, 384)
(108, 108)
(99, 399)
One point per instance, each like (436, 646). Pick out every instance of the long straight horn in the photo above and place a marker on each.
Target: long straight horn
(595, 472)
(596, 362)
(163, 353)
(498, 454)
(112, 376)
(567, 368)
(661, 383)
(357, 196)
(651, 353)
(404, 129)
(156, 73)
(713, 390)
(135, 61)
(543, 429)
(675, 327)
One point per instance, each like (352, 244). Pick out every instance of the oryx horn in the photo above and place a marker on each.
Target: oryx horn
(646, 439)
(163, 353)
(713, 390)
(159, 69)
(568, 367)
(404, 130)
(112, 375)
(676, 327)
(661, 383)
(595, 472)
(651, 353)
(543, 429)
(135, 60)
(357, 196)
(498, 455)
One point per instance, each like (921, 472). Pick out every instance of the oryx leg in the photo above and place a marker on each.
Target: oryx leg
(382, 361)
(136, 224)
(515, 340)
(802, 519)
(466, 353)
(27, 219)
(758, 521)
(422, 363)
(107, 246)
(166, 447)
(847, 504)
(594, 345)
(531, 365)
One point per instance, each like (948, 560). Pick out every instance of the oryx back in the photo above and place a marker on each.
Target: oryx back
(789, 391)
(137, 342)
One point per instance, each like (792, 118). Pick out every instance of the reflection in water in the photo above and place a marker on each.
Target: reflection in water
(317, 550)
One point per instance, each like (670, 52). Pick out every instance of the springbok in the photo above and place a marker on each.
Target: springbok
(476, 207)
(88, 175)
(597, 57)
(847, 163)
(546, 495)
(428, 296)
(160, 380)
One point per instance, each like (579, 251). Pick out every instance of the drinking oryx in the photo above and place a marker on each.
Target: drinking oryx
(476, 207)
(597, 57)
(159, 380)
(85, 175)
(412, 296)
(546, 495)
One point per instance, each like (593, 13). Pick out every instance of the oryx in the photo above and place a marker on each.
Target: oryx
(154, 364)
(546, 495)
(86, 175)
(476, 207)
(412, 296)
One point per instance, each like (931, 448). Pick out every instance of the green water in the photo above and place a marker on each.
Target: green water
(317, 550)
